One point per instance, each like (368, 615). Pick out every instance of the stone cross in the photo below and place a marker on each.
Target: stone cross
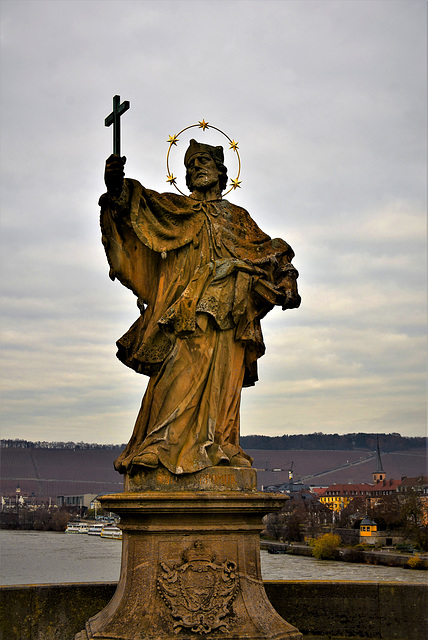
(114, 119)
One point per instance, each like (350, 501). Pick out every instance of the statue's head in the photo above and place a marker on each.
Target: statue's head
(207, 157)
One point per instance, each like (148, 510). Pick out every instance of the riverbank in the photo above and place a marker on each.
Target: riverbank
(386, 557)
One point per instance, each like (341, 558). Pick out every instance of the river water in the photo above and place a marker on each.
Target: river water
(38, 557)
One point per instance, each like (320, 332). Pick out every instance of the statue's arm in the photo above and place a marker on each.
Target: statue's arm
(114, 175)
(117, 200)
(127, 257)
(279, 285)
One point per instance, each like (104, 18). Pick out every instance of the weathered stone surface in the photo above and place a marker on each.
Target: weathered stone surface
(57, 611)
(211, 479)
(191, 567)
(354, 608)
(49, 612)
(412, 606)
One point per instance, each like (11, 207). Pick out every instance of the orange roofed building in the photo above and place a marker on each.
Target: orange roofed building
(337, 496)
(385, 488)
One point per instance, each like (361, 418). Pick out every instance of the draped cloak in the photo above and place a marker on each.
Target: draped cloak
(204, 275)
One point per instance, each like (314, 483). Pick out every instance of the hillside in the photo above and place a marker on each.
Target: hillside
(46, 470)
(327, 467)
(48, 473)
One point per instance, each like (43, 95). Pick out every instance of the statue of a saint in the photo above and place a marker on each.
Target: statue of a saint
(204, 275)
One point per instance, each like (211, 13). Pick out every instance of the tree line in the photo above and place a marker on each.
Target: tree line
(311, 441)
(334, 441)
(42, 444)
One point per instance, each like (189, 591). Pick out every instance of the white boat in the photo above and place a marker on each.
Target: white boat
(111, 532)
(76, 527)
(83, 528)
(95, 529)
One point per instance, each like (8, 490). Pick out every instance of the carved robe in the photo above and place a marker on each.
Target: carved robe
(204, 275)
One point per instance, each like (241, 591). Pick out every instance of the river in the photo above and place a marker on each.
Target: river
(38, 557)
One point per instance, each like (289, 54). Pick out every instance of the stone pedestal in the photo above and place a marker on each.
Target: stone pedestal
(190, 560)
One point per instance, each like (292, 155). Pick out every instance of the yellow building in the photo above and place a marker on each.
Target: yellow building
(367, 528)
(337, 496)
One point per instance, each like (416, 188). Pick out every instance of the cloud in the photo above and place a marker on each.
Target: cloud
(328, 103)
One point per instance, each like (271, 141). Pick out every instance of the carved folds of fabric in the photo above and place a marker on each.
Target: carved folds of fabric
(144, 356)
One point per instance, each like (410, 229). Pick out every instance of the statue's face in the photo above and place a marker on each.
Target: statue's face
(202, 171)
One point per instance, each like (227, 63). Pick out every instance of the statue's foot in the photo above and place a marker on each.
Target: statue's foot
(146, 460)
(239, 461)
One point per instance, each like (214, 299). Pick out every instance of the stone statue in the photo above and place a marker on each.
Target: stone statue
(204, 275)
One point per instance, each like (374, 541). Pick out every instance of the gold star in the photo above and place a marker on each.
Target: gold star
(236, 183)
(171, 179)
(203, 125)
(233, 145)
(172, 139)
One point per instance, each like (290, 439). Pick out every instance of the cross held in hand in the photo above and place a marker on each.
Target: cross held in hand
(114, 119)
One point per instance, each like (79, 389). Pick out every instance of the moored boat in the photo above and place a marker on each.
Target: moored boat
(95, 529)
(76, 527)
(111, 532)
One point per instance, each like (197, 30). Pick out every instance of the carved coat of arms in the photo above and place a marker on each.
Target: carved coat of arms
(199, 591)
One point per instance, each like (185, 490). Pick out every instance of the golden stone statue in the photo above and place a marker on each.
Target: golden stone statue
(191, 516)
(204, 275)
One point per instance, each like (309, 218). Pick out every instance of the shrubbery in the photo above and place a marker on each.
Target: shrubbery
(324, 548)
(41, 519)
(416, 563)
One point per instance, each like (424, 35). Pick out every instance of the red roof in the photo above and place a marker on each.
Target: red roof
(414, 482)
(317, 490)
(348, 489)
(387, 485)
(354, 490)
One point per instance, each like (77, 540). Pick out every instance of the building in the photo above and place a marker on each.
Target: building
(367, 529)
(82, 501)
(384, 488)
(95, 505)
(370, 535)
(379, 474)
(419, 488)
(337, 496)
(419, 485)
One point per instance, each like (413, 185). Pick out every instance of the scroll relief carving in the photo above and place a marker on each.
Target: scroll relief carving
(199, 591)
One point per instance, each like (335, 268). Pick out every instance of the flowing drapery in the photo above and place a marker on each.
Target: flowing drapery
(204, 275)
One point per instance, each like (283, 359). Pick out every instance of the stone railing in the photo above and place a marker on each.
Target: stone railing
(320, 610)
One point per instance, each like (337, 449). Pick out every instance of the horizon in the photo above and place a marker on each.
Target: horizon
(272, 437)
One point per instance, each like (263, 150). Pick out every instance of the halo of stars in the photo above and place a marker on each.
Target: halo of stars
(172, 141)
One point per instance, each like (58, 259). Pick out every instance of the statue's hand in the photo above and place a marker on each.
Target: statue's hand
(285, 280)
(291, 300)
(114, 174)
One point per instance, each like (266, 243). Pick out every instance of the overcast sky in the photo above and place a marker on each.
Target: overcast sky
(327, 100)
